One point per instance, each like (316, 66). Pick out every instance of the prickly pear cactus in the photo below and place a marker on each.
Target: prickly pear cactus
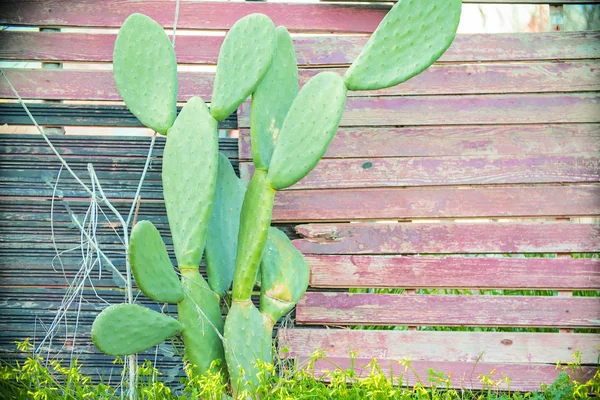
(209, 210)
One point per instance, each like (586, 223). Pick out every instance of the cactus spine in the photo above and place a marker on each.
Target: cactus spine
(209, 209)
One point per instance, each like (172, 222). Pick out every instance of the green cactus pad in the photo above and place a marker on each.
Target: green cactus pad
(200, 315)
(189, 175)
(255, 220)
(245, 57)
(308, 129)
(411, 37)
(145, 71)
(125, 329)
(285, 276)
(223, 228)
(151, 266)
(247, 340)
(272, 99)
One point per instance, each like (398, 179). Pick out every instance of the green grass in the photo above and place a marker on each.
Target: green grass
(32, 379)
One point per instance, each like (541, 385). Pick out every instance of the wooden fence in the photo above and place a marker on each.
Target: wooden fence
(495, 150)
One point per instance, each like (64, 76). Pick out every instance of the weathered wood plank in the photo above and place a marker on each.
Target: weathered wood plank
(523, 377)
(431, 202)
(416, 310)
(311, 50)
(61, 114)
(466, 140)
(486, 347)
(437, 171)
(438, 79)
(193, 15)
(411, 238)
(336, 205)
(454, 272)
(465, 110)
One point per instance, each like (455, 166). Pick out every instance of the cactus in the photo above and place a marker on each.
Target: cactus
(209, 210)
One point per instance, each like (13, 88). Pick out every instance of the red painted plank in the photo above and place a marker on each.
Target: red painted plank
(416, 310)
(411, 238)
(454, 272)
(439, 79)
(465, 110)
(435, 202)
(311, 50)
(192, 14)
(456, 141)
(442, 171)
(487, 347)
(523, 377)
(54, 84)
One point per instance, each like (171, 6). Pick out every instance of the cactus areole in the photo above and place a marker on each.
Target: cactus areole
(210, 211)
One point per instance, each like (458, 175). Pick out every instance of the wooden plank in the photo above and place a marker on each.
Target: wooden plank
(79, 115)
(552, 2)
(432, 202)
(390, 309)
(438, 79)
(411, 238)
(438, 171)
(465, 140)
(523, 377)
(465, 110)
(193, 15)
(486, 347)
(342, 271)
(328, 205)
(310, 50)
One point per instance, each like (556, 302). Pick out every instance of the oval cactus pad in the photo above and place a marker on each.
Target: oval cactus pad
(189, 176)
(285, 275)
(145, 71)
(247, 340)
(272, 99)
(307, 129)
(223, 228)
(151, 265)
(245, 57)
(125, 329)
(411, 37)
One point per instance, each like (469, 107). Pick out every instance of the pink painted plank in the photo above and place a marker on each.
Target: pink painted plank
(439, 79)
(442, 171)
(192, 14)
(465, 110)
(487, 347)
(311, 50)
(524, 377)
(343, 271)
(317, 308)
(54, 84)
(411, 238)
(435, 202)
(464, 140)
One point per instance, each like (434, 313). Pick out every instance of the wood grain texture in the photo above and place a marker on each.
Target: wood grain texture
(454, 272)
(460, 140)
(438, 79)
(317, 308)
(442, 171)
(523, 377)
(432, 202)
(411, 238)
(487, 347)
(192, 15)
(465, 110)
(310, 50)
